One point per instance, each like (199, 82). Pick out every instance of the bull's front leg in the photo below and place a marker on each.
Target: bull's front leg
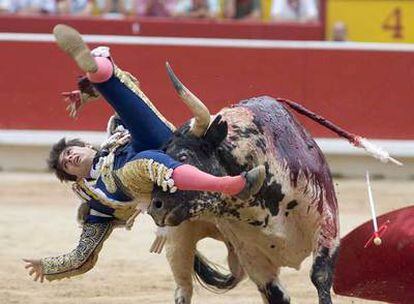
(180, 250)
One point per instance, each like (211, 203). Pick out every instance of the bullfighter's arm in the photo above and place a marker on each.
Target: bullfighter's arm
(82, 258)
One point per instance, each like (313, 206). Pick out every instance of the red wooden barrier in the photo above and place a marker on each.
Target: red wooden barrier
(367, 92)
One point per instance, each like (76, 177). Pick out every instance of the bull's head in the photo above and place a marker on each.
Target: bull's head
(195, 143)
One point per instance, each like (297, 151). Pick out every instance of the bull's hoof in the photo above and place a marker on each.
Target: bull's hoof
(254, 181)
(71, 42)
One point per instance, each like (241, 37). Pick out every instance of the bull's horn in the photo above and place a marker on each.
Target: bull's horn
(196, 106)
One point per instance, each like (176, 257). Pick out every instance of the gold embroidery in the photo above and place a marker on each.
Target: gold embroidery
(115, 141)
(135, 177)
(82, 258)
(106, 173)
(139, 177)
(123, 210)
(130, 81)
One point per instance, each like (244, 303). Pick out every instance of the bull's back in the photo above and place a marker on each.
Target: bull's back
(267, 118)
(262, 130)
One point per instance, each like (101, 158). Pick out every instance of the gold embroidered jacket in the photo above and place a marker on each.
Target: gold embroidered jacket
(83, 257)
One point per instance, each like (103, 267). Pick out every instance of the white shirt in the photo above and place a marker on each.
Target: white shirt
(282, 11)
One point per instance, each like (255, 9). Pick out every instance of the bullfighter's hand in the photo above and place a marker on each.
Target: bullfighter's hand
(35, 267)
(74, 100)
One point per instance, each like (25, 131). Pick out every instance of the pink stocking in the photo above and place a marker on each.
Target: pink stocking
(104, 72)
(187, 177)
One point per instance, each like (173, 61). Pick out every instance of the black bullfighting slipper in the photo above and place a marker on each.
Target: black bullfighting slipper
(254, 181)
(71, 42)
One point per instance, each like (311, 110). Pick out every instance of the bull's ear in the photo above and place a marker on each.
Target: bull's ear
(216, 132)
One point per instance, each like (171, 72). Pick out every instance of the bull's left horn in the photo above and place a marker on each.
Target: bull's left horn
(196, 106)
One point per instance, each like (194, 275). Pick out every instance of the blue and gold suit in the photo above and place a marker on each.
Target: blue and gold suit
(125, 173)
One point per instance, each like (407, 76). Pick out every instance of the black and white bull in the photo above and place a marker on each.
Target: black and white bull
(294, 214)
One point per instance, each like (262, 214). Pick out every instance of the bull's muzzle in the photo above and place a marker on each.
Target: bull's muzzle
(167, 214)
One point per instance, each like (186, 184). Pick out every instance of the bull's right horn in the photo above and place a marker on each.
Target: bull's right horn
(196, 106)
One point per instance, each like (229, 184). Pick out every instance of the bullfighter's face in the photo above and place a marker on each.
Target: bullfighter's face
(77, 161)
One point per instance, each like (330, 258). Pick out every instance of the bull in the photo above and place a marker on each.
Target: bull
(295, 213)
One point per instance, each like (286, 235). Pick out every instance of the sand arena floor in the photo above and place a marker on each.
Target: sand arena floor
(37, 219)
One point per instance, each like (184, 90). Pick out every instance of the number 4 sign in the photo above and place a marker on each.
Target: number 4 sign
(393, 23)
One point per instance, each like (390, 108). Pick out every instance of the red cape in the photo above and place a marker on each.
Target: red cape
(381, 273)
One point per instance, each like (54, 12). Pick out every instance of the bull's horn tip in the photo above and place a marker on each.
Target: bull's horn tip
(176, 82)
(170, 71)
(168, 66)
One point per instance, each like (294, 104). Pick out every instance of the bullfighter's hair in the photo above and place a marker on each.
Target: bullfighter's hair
(53, 160)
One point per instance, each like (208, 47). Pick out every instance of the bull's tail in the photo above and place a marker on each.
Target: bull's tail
(356, 140)
(210, 276)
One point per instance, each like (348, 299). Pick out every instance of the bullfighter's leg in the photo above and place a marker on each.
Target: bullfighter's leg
(148, 128)
(324, 257)
(162, 169)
